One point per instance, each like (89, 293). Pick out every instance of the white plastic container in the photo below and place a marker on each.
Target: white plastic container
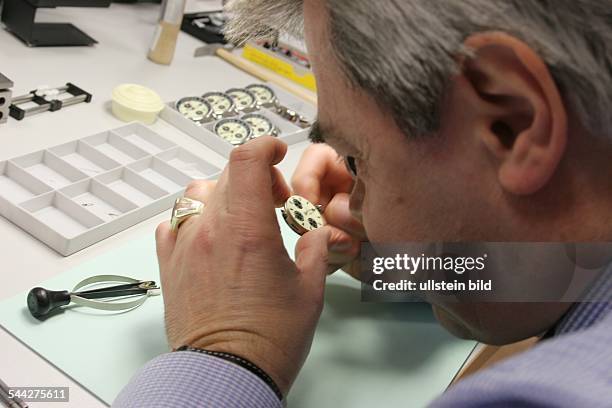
(135, 103)
(76, 194)
(289, 132)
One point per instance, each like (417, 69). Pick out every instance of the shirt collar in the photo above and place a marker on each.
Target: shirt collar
(597, 304)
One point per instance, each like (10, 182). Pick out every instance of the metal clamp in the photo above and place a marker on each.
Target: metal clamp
(47, 100)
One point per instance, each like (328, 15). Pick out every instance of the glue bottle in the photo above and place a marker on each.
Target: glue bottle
(164, 42)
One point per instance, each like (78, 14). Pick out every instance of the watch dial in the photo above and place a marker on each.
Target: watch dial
(304, 213)
(194, 108)
(260, 125)
(220, 102)
(234, 131)
(242, 98)
(264, 94)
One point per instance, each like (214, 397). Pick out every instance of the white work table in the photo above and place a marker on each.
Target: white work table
(124, 33)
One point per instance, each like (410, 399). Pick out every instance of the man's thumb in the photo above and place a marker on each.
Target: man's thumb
(311, 254)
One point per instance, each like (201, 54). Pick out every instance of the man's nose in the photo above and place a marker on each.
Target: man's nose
(356, 200)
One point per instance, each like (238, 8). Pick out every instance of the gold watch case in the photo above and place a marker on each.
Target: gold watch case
(301, 215)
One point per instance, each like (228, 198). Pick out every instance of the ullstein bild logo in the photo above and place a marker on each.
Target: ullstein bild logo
(412, 264)
(482, 271)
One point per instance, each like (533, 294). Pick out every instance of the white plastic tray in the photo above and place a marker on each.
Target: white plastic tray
(289, 132)
(76, 194)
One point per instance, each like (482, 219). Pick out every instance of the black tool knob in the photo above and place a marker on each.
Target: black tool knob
(42, 301)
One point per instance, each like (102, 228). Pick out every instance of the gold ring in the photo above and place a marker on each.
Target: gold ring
(183, 209)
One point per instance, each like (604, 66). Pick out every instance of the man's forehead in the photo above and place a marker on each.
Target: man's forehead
(338, 102)
(316, 29)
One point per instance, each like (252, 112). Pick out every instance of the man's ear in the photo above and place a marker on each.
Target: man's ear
(521, 118)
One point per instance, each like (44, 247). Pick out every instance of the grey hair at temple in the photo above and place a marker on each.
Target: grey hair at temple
(403, 52)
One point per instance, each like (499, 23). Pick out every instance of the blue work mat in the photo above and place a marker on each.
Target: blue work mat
(364, 355)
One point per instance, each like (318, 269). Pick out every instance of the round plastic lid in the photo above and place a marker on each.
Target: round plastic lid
(138, 98)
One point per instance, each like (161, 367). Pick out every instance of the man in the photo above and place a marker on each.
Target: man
(472, 120)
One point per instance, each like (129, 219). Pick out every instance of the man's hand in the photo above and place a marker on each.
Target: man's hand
(322, 178)
(228, 282)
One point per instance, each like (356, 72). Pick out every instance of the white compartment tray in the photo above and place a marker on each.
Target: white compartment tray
(289, 132)
(76, 194)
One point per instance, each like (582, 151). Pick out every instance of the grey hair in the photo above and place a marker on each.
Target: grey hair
(403, 52)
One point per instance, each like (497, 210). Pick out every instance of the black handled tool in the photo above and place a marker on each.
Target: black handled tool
(42, 302)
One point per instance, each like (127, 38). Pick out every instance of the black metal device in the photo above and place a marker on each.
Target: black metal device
(5, 97)
(48, 100)
(205, 26)
(19, 15)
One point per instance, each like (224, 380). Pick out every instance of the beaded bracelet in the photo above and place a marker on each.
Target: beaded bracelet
(244, 363)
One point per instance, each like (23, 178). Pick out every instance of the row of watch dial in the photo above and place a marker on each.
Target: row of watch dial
(216, 105)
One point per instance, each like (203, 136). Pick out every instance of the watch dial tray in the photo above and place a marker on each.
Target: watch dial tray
(288, 132)
(76, 194)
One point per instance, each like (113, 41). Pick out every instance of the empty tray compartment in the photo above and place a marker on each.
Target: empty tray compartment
(161, 174)
(99, 199)
(50, 169)
(61, 214)
(116, 147)
(189, 164)
(132, 186)
(144, 138)
(85, 158)
(17, 185)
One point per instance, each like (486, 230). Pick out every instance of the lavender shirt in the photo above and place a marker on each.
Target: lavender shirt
(572, 369)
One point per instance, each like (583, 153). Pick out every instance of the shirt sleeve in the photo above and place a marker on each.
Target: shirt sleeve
(187, 379)
(572, 370)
